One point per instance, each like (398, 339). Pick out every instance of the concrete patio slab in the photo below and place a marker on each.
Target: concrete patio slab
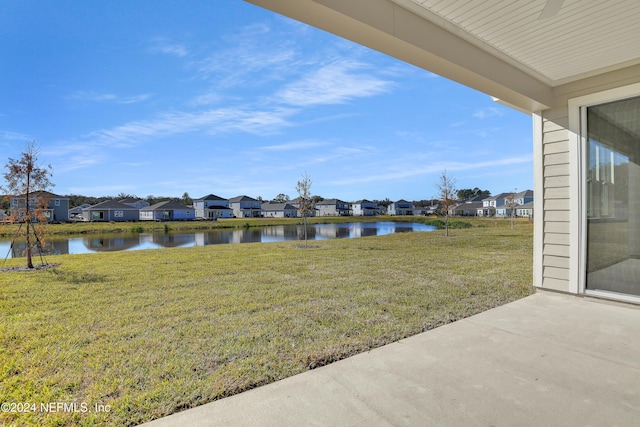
(548, 359)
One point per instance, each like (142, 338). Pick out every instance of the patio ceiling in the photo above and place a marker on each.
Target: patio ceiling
(583, 38)
(506, 48)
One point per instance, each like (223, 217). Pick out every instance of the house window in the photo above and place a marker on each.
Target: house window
(57, 202)
(612, 174)
(118, 214)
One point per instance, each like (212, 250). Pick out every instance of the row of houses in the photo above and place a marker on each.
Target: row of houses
(502, 205)
(212, 207)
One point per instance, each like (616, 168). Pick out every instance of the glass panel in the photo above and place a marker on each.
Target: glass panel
(613, 197)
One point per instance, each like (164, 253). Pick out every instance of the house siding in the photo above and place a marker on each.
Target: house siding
(555, 198)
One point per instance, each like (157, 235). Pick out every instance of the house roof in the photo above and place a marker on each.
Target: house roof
(528, 205)
(109, 205)
(130, 200)
(243, 199)
(277, 206)
(46, 194)
(360, 202)
(477, 198)
(525, 193)
(329, 202)
(498, 196)
(167, 204)
(210, 197)
(530, 55)
(469, 206)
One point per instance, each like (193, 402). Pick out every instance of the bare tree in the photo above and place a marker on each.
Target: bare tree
(307, 203)
(511, 204)
(446, 192)
(28, 181)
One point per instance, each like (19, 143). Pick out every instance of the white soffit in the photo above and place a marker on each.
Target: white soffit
(584, 38)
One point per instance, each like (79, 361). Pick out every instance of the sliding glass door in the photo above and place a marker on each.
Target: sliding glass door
(613, 197)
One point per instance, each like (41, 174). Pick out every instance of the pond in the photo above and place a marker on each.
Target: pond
(57, 245)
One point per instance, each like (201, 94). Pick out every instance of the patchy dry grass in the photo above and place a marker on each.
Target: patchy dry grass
(153, 332)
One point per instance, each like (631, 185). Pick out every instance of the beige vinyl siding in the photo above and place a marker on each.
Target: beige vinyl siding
(556, 231)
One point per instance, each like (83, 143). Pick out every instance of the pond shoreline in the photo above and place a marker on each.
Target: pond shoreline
(83, 228)
(166, 238)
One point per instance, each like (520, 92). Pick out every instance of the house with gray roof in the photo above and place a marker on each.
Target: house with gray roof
(110, 210)
(245, 207)
(279, 210)
(212, 207)
(364, 207)
(55, 207)
(169, 210)
(401, 207)
(490, 204)
(523, 197)
(467, 209)
(333, 207)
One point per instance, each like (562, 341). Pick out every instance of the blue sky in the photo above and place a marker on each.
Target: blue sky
(163, 97)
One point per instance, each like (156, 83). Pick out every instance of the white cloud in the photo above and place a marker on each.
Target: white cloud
(13, 136)
(488, 112)
(412, 171)
(298, 145)
(206, 99)
(162, 45)
(92, 96)
(335, 83)
(209, 121)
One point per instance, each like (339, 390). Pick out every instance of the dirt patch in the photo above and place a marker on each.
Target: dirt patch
(25, 268)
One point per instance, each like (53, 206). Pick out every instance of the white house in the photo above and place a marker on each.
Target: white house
(212, 207)
(245, 207)
(401, 207)
(364, 208)
(574, 66)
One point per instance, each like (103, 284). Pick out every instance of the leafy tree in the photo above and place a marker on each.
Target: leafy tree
(307, 203)
(186, 199)
(123, 196)
(446, 191)
(470, 193)
(26, 178)
(386, 202)
(281, 198)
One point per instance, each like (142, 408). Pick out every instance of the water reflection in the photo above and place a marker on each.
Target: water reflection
(278, 233)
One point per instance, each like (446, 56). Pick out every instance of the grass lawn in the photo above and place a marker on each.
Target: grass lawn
(152, 332)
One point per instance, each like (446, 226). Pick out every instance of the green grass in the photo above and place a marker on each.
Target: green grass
(153, 332)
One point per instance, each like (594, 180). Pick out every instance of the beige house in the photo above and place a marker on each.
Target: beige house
(574, 66)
